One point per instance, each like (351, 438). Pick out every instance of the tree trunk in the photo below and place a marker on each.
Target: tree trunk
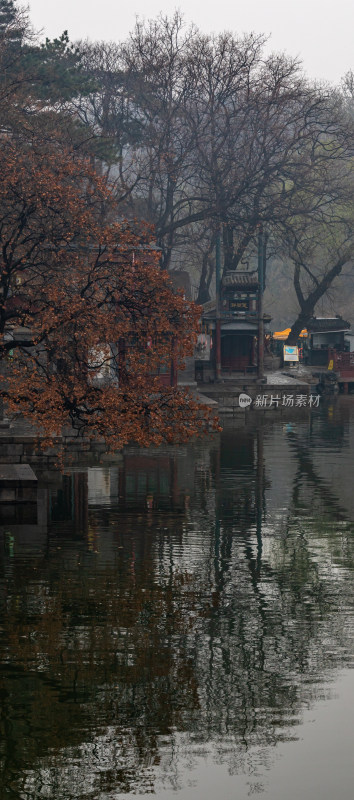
(305, 314)
(308, 304)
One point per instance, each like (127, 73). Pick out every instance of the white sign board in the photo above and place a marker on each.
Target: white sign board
(202, 349)
(291, 353)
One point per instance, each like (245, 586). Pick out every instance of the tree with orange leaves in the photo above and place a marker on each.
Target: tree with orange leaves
(80, 298)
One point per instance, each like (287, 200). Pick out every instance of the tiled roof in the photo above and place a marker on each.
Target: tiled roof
(243, 280)
(327, 325)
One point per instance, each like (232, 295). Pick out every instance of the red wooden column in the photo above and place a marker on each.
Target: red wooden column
(218, 349)
(218, 305)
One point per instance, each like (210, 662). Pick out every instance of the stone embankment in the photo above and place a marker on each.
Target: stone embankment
(20, 444)
(278, 390)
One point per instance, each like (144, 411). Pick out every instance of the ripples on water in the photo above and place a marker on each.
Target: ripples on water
(182, 621)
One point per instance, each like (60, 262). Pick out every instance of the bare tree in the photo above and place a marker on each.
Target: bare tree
(320, 252)
(205, 132)
(139, 109)
(265, 146)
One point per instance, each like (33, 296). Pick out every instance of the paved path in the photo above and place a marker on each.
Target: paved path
(283, 378)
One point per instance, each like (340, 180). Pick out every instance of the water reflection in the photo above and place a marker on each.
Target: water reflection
(182, 604)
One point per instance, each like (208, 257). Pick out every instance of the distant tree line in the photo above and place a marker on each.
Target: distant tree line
(201, 136)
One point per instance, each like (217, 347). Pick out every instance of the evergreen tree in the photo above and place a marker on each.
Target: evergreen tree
(10, 22)
(37, 80)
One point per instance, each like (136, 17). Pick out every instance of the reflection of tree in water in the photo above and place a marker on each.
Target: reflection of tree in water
(313, 494)
(180, 623)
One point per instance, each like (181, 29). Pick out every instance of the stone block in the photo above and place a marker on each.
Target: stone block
(10, 450)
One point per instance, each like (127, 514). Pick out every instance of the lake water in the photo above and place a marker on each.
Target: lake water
(181, 622)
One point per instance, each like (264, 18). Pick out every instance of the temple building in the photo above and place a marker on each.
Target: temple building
(228, 343)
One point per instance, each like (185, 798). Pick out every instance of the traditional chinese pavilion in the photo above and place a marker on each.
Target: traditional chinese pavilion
(232, 325)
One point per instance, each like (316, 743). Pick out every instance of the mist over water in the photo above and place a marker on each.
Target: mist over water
(181, 622)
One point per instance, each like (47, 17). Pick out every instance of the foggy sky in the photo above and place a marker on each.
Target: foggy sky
(320, 32)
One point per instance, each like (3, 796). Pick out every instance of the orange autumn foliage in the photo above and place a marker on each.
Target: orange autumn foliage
(85, 311)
